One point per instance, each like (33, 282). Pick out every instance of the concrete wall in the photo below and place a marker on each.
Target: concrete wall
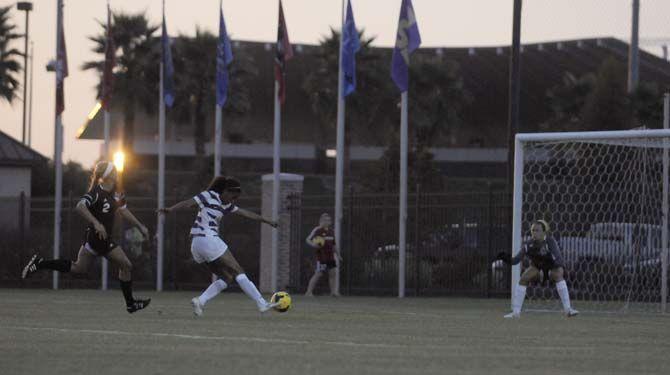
(13, 180)
(289, 184)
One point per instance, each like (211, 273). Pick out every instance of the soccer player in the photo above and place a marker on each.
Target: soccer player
(207, 247)
(98, 206)
(545, 256)
(322, 239)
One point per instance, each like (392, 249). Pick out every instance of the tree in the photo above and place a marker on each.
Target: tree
(647, 105)
(436, 110)
(567, 101)
(9, 65)
(600, 101)
(137, 67)
(607, 107)
(195, 82)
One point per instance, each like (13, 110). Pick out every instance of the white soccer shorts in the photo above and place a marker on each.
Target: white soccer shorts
(207, 249)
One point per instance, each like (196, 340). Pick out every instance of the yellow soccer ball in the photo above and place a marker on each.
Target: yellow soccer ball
(284, 300)
(319, 241)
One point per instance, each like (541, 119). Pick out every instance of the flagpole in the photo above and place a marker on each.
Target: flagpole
(217, 140)
(403, 196)
(275, 189)
(339, 154)
(161, 184)
(58, 149)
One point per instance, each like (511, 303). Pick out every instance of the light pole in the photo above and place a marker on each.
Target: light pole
(26, 6)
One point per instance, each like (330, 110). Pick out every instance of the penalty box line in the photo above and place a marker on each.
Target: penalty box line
(213, 338)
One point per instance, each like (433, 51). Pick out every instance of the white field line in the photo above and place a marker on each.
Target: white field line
(213, 338)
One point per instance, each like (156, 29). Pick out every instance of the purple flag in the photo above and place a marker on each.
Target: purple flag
(224, 56)
(350, 46)
(408, 40)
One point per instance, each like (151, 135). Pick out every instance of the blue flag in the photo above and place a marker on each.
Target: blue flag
(350, 45)
(168, 68)
(408, 40)
(224, 56)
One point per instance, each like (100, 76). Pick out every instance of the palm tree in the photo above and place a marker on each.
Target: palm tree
(363, 110)
(195, 81)
(9, 65)
(137, 73)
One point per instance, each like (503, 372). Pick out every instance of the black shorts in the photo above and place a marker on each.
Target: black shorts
(545, 266)
(325, 266)
(95, 245)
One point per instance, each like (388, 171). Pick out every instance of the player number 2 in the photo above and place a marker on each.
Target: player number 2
(105, 207)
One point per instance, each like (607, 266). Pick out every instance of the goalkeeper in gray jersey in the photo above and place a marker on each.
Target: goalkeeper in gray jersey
(545, 256)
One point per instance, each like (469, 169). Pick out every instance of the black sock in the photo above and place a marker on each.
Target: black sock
(62, 265)
(127, 289)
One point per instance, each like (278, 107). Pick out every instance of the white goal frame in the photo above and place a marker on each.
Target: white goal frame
(522, 139)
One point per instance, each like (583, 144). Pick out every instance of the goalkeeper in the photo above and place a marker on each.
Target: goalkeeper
(322, 239)
(545, 256)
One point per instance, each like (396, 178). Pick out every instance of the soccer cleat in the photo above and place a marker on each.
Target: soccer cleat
(197, 306)
(265, 306)
(512, 315)
(31, 267)
(138, 304)
(572, 312)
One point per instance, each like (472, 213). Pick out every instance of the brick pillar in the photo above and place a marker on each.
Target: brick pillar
(288, 184)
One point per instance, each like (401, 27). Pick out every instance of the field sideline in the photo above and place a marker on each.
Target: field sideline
(88, 331)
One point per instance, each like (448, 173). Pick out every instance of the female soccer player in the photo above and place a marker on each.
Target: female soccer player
(544, 255)
(98, 206)
(207, 247)
(322, 239)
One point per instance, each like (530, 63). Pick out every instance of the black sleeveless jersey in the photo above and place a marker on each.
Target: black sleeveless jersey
(103, 205)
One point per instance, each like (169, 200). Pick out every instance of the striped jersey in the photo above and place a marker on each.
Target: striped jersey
(210, 213)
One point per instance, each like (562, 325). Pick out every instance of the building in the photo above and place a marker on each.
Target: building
(16, 166)
(475, 149)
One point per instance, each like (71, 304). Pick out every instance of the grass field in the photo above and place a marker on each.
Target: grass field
(89, 332)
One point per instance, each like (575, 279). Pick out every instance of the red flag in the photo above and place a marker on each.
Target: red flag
(284, 53)
(61, 64)
(110, 62)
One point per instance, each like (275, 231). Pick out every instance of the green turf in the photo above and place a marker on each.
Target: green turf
(89, 332)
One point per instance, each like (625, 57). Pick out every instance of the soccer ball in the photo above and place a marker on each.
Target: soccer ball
(319, 241)
(284, 300)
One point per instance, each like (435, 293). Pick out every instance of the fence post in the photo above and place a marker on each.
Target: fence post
(350, 242)
(417, 228)
(22, 225)
(489, 241)
(69, 220)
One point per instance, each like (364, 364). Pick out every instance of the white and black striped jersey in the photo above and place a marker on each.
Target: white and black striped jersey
(210, 214)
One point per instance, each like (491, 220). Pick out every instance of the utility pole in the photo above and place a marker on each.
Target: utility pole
(634, 51)
(26, 6)
(514, 91)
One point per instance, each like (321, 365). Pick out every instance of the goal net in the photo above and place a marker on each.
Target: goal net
(604, 195)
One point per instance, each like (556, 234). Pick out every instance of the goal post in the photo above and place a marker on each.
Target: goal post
(605, 196)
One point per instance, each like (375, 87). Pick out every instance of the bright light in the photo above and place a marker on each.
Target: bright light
(119, 160)
(331, 153)
(94, 111)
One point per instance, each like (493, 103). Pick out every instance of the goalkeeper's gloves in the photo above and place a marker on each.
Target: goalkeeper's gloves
(505, 257)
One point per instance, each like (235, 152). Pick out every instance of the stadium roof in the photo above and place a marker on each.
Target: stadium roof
(13, 152)
(485, 74)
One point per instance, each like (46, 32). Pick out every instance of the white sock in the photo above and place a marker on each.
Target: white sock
(519, 296)
(562, 289)
(249, 288)
(212, 291)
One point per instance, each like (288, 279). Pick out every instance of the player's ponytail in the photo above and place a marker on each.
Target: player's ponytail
(220, 184)
(543, 224)
(101, 169)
